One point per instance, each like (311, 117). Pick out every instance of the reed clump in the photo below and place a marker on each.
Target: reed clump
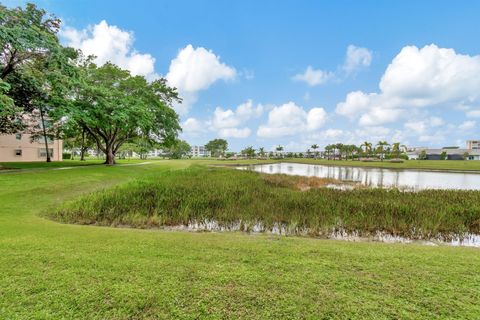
(252, 201)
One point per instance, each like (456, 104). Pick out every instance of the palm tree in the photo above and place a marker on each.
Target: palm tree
(397, 149)
(279, 148)
(381, 148)
(315, 147)
(368, 148)
(341, 149)
(327, 151)
(249, 152)
(349, 150)
(261, 152)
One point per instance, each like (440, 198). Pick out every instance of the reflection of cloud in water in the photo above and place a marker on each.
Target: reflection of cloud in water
(378, 177)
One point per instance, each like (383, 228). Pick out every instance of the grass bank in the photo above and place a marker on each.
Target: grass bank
(247, 201)
(50, 270)
(443, 165)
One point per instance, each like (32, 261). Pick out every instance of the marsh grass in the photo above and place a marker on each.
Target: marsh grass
(248, 200)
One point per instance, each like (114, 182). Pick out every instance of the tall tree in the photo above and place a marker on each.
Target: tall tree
(115, 107)
(328, 148)
(77, 138)
(8, 111)
(29, 48)
(249, 152)
(261, 152)
(178, 149)
(381, 147)
(367, 147)
(397, 149)
(217, 147)
(315, 147)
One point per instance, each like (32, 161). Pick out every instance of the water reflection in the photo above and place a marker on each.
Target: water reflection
(377, 177)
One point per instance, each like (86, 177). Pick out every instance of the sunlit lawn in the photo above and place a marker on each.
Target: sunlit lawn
(50, 270)
(407, 164)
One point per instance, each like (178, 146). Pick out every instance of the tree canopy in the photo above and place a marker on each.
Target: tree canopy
(179, 149)
(32, 62)
(217, 147)
(115, 107)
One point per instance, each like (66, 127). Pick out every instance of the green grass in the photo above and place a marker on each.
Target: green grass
(230, 197)
(455, 165)
(59, 271)
(62, 164)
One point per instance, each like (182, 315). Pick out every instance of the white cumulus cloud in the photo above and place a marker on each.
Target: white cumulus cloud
(416, 78)
(111, 44)
(290, 119)
(356, 58)
(467, 125)
(193, 126)
(313, 77)
(234, 132)
(227, 121)
(473, 113)
(194, 70)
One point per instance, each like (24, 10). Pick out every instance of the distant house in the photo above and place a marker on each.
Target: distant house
(450, 154)
(20, 148)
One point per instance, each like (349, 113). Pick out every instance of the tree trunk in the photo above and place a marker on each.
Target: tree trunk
(109, 154)
(82, 148)
(45, 135)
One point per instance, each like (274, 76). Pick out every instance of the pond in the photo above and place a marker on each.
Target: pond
(408, 179)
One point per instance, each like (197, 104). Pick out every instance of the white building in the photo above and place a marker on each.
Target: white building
(156, 153)
(449, 154)
(199, 151)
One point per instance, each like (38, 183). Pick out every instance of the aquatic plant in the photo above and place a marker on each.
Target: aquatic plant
(297, 205)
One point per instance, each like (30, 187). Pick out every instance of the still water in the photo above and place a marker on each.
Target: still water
(378, 177)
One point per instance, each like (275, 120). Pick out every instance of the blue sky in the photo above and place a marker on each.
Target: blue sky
(264, 73)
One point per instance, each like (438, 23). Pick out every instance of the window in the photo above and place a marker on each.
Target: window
(43, 154)
(18, 152)
(18, 136)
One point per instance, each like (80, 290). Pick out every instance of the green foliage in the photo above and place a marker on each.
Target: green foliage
(8, 111)
(34, 64)
(443, 155)
(115, 107)
(217, 147)
(232, 196)
(249, 152)
(422, 155)
(261, 152)
(179, 149)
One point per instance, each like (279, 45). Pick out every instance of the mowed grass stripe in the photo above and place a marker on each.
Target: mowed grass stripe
(50, 270)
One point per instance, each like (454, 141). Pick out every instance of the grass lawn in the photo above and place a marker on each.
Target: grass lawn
(50, 270)
(61, 164)
(456, 165)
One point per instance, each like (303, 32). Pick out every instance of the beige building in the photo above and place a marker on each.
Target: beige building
(19, 148)
(473, 144)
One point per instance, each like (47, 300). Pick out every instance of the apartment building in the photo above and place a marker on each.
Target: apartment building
(20, 148)
(473, 144)
(199, 151)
